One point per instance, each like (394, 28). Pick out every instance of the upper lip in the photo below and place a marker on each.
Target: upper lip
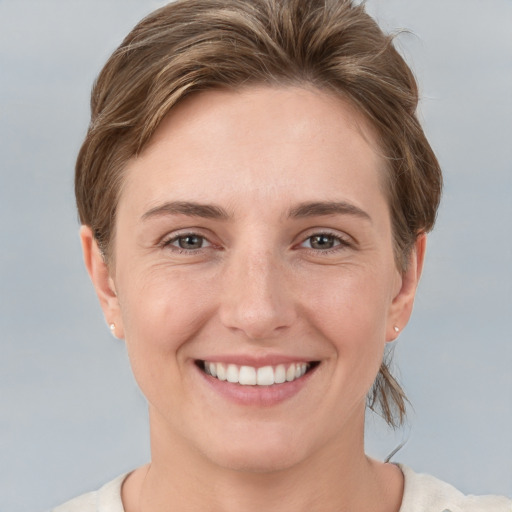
(255, 360)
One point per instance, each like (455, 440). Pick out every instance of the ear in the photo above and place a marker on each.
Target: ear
(103, 283)
(401, 306)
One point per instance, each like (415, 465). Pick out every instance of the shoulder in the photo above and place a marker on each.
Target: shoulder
(428, 494)
(106, 499)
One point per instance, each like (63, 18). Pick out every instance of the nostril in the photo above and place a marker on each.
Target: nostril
(257, 322)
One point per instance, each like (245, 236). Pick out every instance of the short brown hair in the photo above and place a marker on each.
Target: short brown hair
(190, 46)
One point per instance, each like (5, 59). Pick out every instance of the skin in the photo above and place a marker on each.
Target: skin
(259, 286)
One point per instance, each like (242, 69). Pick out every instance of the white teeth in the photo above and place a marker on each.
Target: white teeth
(265, 376)
(300, 370)
(250, 376)
(280, 374)
(232, 373)
(247, 376)
(221, 371)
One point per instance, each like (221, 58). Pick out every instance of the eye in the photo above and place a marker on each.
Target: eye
(322, 242)
(188, 242)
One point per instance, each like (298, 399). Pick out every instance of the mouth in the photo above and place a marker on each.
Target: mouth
(257, 376)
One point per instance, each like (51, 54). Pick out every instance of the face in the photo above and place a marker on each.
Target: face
(254, 278)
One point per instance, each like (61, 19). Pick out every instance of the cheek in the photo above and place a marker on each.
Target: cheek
(351, 315)
(161, 312)
(354, 301)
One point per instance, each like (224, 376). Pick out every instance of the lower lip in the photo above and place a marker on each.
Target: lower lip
(262, 396)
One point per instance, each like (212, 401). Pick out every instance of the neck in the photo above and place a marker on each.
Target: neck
(338, 476)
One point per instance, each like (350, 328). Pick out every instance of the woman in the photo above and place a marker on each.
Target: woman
(255, 192)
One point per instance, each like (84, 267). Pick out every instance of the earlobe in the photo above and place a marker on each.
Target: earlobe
(401, 307)
(99, 273)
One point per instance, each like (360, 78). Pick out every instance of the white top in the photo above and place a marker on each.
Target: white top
(422, 493)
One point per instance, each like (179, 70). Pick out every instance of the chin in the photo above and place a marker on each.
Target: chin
(256, 460)
(263, 453)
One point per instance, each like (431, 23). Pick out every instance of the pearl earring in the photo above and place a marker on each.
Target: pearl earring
(397, 330)
(113, 329)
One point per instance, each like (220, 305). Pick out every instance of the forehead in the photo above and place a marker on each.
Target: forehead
(254, 107)
(272, 141)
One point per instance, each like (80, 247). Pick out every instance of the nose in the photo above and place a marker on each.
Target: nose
(256, 295)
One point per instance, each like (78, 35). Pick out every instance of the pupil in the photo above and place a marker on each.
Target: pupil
(322, 242)
(190, 242)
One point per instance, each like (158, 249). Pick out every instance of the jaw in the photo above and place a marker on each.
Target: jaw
(251, 428)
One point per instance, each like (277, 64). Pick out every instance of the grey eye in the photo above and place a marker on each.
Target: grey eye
(322, 242)
(189, 242)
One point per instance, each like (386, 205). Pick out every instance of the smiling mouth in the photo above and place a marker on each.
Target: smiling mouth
(252, 376)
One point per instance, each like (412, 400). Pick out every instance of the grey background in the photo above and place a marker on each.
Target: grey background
(71, 416)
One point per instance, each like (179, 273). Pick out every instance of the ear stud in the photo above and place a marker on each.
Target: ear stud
(113, 329)
(397, 330)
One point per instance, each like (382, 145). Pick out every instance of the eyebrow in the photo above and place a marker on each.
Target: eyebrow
(191, 209)
(210, 211)
(319, 208)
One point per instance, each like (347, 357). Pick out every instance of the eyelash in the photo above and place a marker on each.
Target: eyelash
(340, 243)
(168, 243)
